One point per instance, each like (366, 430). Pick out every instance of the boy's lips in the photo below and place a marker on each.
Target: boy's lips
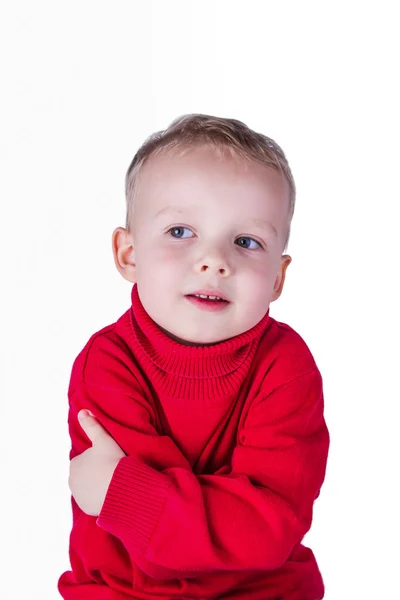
(210, 292)
(208, 304)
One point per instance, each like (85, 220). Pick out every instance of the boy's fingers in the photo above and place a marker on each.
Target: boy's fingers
(91, 426)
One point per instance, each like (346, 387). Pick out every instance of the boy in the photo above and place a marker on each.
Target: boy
(195, 471)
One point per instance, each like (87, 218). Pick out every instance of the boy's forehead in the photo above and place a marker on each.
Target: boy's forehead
(199, 183)
(204, 187)
(202, 168)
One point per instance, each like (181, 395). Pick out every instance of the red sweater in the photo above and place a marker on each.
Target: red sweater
(226, 452)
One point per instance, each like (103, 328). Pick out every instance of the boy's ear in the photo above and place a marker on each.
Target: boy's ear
(124, 253)
(280, 280)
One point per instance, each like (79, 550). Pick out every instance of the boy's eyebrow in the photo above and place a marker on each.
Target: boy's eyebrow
(167, 209)
(263, 223)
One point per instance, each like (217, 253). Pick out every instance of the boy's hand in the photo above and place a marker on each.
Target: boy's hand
(90, 473)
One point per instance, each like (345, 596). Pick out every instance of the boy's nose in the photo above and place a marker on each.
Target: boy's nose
(215, 263)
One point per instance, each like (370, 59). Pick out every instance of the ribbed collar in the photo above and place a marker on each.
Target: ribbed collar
(199, 371)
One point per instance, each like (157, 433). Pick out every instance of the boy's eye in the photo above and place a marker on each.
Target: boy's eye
(178, 232)
(245, 242)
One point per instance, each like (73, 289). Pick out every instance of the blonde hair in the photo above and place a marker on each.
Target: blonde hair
(221, 135)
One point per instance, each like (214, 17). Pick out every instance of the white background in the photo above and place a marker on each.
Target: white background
(82, 85)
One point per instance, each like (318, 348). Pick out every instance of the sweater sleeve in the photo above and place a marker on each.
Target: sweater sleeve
(248, 515)
(131, 422)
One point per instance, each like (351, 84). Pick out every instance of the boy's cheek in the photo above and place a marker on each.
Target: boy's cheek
(170, 257)
(157, 249)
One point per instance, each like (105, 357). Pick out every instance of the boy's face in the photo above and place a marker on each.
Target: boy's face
(204, 224)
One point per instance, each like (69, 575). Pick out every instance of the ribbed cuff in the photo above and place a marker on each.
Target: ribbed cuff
(134, 503)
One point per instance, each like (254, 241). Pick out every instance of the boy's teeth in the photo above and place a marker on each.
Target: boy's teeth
(210, 297)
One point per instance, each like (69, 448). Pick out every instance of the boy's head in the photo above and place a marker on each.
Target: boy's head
(209, 207)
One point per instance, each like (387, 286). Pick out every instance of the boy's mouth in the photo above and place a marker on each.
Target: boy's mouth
(206, 297)
(212, 295)
(211, 302)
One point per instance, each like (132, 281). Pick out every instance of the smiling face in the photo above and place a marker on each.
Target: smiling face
(212, 225)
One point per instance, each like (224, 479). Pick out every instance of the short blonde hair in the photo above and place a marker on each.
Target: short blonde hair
(220, 134)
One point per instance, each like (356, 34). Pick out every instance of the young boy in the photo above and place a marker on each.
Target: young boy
(195, 471)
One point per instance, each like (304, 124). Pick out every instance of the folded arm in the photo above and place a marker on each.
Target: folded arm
(249, 515)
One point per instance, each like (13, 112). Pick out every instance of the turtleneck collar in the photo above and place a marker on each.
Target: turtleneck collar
(192, 371)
